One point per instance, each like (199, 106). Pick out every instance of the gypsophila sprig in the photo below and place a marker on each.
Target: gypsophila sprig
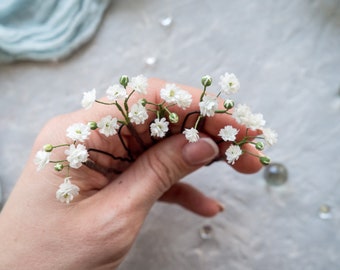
(146, 122)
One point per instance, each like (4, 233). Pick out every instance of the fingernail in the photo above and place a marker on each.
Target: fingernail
(201, 152)
(220, 206)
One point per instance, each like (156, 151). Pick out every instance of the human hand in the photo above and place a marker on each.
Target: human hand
(97, 229)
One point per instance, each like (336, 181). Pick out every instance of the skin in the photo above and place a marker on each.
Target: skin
(97, 229)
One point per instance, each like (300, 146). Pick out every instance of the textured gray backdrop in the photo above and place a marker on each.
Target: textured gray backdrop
(287, 57)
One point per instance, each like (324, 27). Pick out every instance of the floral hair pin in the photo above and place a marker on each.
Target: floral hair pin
(160, 117)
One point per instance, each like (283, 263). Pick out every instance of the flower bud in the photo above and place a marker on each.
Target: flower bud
(265, 160)
(124, 80)
(206, 80)
(228, 104)
(259, 146)
(92, 125)
(173, 117)
(144, 102)
(58, 167)
(48, 147)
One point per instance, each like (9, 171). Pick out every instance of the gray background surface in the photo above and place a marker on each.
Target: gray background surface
(286, 55)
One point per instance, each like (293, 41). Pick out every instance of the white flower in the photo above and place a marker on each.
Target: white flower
(191, 134)
(159, 128)
(244, 116)
(41, 159)
(208, 106)
(173, 94)
(270, 136)
(116, 92)
(183, 99)
(108, 126)
(138, 113)
(78, 132)
(228, 133)
(139, 84)
(67, 191)
(76, 155)
(88, 99)
(229, 83)
(233, 153)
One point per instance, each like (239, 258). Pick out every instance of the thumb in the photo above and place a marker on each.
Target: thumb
(164, 164)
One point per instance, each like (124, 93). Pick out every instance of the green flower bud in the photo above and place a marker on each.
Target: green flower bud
(228, 104)
(259, 146)
(265, 160)
(124, 80)
(173, 117)
(48, 147)
(58, 167)
(144, 102)
(92, 125)
(206, 80)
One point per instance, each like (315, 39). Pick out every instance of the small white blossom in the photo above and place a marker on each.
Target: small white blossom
(41, 159)
(116, 92)
(78, 132)
(88, 99)
(67, 191)
(228, 133)
(233, 153)
(270, 136)
(183, 99)
(229, 83)
(243, 115)
(159, 127)
(139, 84)
(108, 126)
(171, 93)
(76, 155)
(138, 113)
(191, 134)
(208, 106)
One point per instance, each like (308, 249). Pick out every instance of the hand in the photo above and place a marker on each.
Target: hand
(97, 229)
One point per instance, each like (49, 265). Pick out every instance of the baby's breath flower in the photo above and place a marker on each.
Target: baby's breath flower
(159, 128)
(78, 132)
(228, 104)
(41, 159)
(124, 80)
(244, 116)
(92, 125)
(265, 160)
(270, 136)
(191, 134)
(233, 153)
(116, 92)
(173, 118)
(48, 147)
(67, 191)
(183, 99)
(229, 83)
(206, 80)
(139, 84)
(208, 106)
(88, 99)
(108, 126)
(76, 155)
(228, 133)
(173, 94)
(259, 146)
(138, 113)
(58, 167)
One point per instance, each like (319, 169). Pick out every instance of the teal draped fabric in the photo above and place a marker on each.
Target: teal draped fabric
(46, 30)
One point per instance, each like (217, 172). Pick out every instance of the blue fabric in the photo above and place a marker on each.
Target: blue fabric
(46, 30)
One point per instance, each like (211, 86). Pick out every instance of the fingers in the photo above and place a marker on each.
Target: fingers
(158, 169)
(192, 199)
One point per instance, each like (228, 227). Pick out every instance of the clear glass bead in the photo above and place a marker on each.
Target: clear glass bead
(275, 174)
(166, 21)
(206, 232)
(325, 212)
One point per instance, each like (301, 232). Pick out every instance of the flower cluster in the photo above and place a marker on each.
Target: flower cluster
(160, 117)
